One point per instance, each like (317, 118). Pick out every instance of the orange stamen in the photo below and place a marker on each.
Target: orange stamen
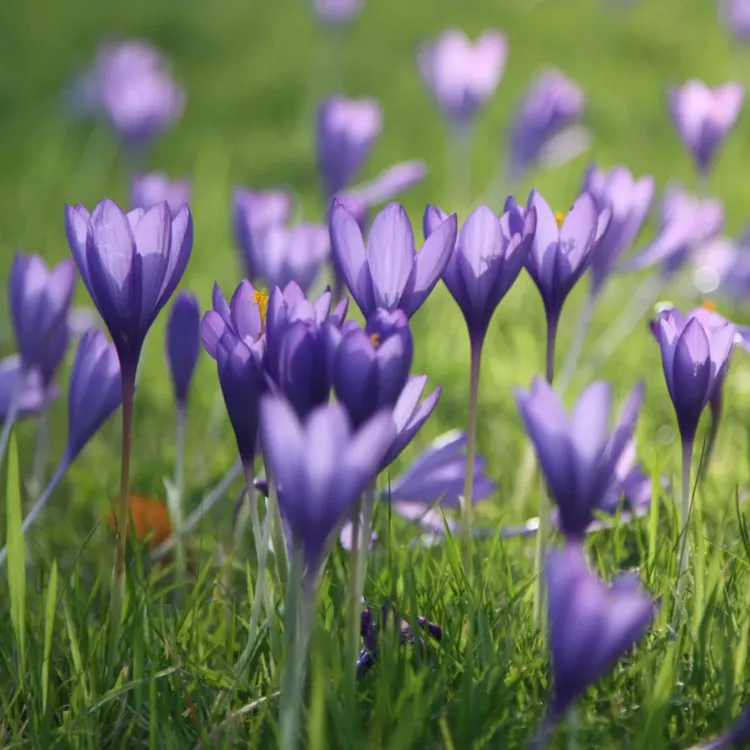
(261, 298)
(559, 218)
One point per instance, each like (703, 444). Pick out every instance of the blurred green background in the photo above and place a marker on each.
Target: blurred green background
(253, 72)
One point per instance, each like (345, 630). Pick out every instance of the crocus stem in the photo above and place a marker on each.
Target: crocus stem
(10, 418)
(353, 605)
(216, 493)
(717, 406)
(471, 449)
(38, 506)
(574, 353)
(175, 496)
(40, 453)
(297, 621)
(540, 582)
(368, 505)
(277, 533)
(122, 516)
(684, 553)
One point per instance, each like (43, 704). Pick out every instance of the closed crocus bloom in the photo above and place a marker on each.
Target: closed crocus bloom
(695, 359)
(390, 273)
(462, 75)
(629, 201)
(409, 414)
(490, 253)
(346, 132)
(321, 466)
(551, 105)
(183, 343)
(297, 254)
(25, 387)
(148, 190)
(578, 455)
(253, 211)
(704, 116)
(131, 264)
(562, 247)
(39, 306)
(95, 392)
(591, 625)
(370, 366)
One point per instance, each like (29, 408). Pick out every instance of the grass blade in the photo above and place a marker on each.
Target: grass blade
(49, 624)
(16, 556)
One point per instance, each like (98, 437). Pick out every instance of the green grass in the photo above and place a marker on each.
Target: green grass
(247, 67)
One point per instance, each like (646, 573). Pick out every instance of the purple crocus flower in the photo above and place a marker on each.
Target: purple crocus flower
(462, 75)
(704, 116)
(148, 190)
(736, 17)
(686, 224)
(578, 456)
(131, 264)
(736, 737)
(490, 253)
(629, 201)
(370, 366)
(39, 307)
(549, 109)
(243, 317)
(591, 625)
(409, 415)
(25, 387)
(337, 12)
(321, 466)
(389, 274)
(695, 359)
(183, 343)
(346, 132)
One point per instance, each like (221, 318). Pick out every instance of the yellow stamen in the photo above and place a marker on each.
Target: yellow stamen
(709, 305)
(375, 339)
(260, 297)
(559, 218)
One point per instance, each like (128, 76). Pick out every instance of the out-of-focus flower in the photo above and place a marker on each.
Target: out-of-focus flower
(183, 343)
(490, 253)
(591, 625)
(131, 264)
(24, 387)
(578, 456)
(253, 211)
(149, 190)
(736, 17)
(321, 466)
(463, 75)
(337, 12)
(389, 274)
(629, 201)
(547, 114)
(704, 116)
(150, 520)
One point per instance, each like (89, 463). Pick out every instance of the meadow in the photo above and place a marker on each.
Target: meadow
(253, 73)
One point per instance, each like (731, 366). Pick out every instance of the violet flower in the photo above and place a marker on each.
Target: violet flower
(704, 116)
(183, 343)
(337, 12)
(737, 736)
(389, 273)
(253, 212)
(463, 75)
(149, 190)
(736, 17)
(22, 391)
(591, 625)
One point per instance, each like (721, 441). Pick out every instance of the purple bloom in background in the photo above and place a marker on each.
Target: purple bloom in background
(736, 16)
(346, 132)
(409, 415)
(183, 343)
(322, 467)
(562, 248)
(462, 75)
(39, 306)
(389, 274)
(370, 366)
(686, 223)
(490, 253)
(695, 359)
(437, 477)
(578, 456)
(704, 116)
(131, 264)
(25, 387)
(243, 317)
(545, 118)
(737, 736)
(591, 625)
(282, 255)
(95, 391)
(149, 190)
(629, 202)
(337, 12)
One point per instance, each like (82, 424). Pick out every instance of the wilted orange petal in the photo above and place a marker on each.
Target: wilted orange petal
(150, 520)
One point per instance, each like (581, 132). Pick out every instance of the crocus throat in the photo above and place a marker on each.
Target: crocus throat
(559, 218)
(260, 297)
(375, 339)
